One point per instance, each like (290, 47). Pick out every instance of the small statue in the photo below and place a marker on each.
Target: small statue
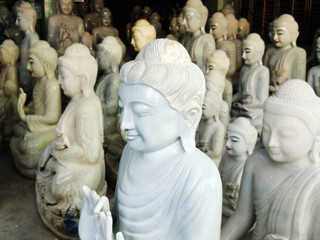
(199, 44)
(39, 118)
(243, 28)
(10, 29)
(92, 20)
(241, 139)
(64, 28)
(314, 73)
(219, 29)
(142, 33)
(75, 157)
(228, 9)
(106, 28)
(87, 40)
(285, 61)
(280, 183)
(166, 189)
(9, 53)
(253, 83)
(26, 22)
(109, 55)
(173, 35)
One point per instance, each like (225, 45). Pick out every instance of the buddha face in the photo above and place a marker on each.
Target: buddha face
(250, 55)
(66, 6)
(181, 29)
(106, 18)
(192, 19)
(35, 66)
(149, 122)
(22, 22)
(173, 26)
(70, 84)
(235, 144)
(216, 30)
(281, 36)
(286, 138)
(138, 41)
(97, 5)
(318, 49)
(210, 107)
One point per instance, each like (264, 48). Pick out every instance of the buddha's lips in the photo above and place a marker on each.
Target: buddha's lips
(30, 71)
(244, 59)
(228, 148)
(276, 41)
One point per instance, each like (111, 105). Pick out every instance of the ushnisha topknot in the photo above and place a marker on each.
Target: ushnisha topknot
(165, 65)
(243, 126)
(296, 98)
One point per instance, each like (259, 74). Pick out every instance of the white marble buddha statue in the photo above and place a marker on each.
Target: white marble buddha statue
(76, 156)
(92, 20)
(285, 61)
(142, 33)
(64, 28)
(38, 119)
(280, 183)
(199, 44)
(26, 19)
(243, 28)
(166, 189)
(314, 73)
(241, 138)
(218, 28)
(253, 83)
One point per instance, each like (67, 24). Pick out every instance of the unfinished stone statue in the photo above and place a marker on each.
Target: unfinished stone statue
(92, 20)
(243, 28)
(241, 138)
(26, 22)
(219, 28)
(280, 183)
(9, 53)
(64, 28)
(285, 61)
(106, 28)
(253, 83)
(142, 33)
(75, 157)
(314, 73)
(39, 118)
(109, 55)
(199, 45)
(10, 29)
(167, 189)
(87, 40)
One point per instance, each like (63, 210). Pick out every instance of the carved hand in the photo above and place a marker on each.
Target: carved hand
(21, 102)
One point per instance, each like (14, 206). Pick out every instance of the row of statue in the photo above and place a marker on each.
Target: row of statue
(213, 131)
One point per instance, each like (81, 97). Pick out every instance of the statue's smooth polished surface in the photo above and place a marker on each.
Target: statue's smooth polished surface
(76, 156)
(167, 189)
(142, 33)
(314, 73)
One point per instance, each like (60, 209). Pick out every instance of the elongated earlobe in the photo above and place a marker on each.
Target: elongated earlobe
(314, 154)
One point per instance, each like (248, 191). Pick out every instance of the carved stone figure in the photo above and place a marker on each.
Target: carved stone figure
(10, 29)
(75, 157)
(167, 189)
(228, 9)
(26, 22)
(285, 61)
(199, 44)
(155, 20)
(173, 35)
(39, 118)
(106, 28)
(142, 33)
(135, 16)
(243, 28)
(146, 13)
(64, 28)
(181, 29)
(92, 20)
(218, 28)
(9, 53)
(109, 54)
(314, 73)
(253, 83)
(241, 138)
(280, 183)
(87, 40)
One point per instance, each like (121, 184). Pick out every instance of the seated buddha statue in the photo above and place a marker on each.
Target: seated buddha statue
(75, 156)
(92, 20)
(166, 189)
(280, 183)
(314, 73)
(38, 119)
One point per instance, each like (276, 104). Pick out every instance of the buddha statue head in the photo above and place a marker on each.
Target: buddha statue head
(253, 49)
(243, 28)
(77, 71)
(26, 17)
(318, 48)
(142, 33)
(149, 105)
(211, 105)
(228, 9)
(146, 12)
(135, 13)
(97, 5)
(173, 26)
(109, 54)
(195, 16)
(65, 7)
(217, 62)
(291, 128)
(83, 9)
(106, 17)
(285, 31)
(181, 29)
(232, 26)
(9, 52)
(241, 137)
(218, 26)
(42, 60)
(5, 16)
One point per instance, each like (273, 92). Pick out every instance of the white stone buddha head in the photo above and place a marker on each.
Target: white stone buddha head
(142, 33)
(253, 49)
(109, 54)
(26, 17)
(232, 26)
(195, 16)
(217, 65)
(149, 106)
(218, 26)
(243, 28)
(9, 52)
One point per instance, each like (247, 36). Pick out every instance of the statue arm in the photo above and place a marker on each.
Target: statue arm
(112, 96)
(217, 142)
(262, 87)
(231, 53)
(310, 78)
(299, 65)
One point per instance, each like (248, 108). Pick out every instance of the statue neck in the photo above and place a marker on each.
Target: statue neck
(241, 158)
(30, 30)
(196, 33)
(286, 47)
